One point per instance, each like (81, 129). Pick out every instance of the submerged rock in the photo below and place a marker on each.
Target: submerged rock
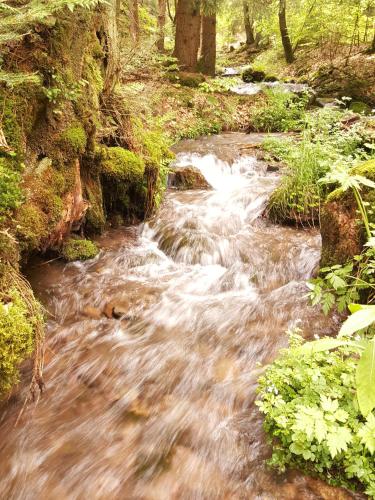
(92, 312)
(188, 177)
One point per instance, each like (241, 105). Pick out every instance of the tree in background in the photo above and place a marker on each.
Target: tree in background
(285, 38)
(207, 60)
(188, 28)
(249, 23)
(162, 14)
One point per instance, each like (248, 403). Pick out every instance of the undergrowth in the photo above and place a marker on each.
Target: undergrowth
(323, 143)
(313, 419)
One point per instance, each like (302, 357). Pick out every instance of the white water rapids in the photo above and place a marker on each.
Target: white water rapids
(158, 405)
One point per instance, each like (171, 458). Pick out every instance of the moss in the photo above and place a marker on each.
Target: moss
(32, 227)
(9, 250)
(95, 217)
(76, 249)
(16, 337)
(360, 108)
(74, 139)
(121, 164)
(192, 80)
(10, 179)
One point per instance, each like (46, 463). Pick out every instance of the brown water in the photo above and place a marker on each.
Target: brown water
(159, 404)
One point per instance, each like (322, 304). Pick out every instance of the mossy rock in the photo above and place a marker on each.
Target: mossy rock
(192, 80)
(16, 337)
(74, 139)
(10, 180)
(249, 75)
(76, 249)
(360, 107)
(95, 216)
(121, 164)
(32, 227)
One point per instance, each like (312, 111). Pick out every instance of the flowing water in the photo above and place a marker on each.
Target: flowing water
(159, 404)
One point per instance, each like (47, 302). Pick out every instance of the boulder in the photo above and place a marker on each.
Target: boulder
(249, 75)
(188, 177)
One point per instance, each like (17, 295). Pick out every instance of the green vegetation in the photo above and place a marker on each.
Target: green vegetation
(322, 147)
(16, 337)
(74, 139)
(118, 163)
(10, 191)
(313, 419)
(76, 249)
(280, 111)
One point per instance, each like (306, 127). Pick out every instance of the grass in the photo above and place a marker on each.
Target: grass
(322, 143)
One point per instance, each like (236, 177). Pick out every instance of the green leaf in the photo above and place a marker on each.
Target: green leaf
(365, 378)
(367, 434)
(325, 344)
(362, 318)
(338, 440)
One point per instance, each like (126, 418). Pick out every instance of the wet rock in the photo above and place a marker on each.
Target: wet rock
(92, 312)
(273, 167)
(249, 75)
(121, 311)
(188, 177)
(108, 310)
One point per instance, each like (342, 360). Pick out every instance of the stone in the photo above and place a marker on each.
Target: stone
(108, 310)
(92, 312)
(272, 167)
(188, 177)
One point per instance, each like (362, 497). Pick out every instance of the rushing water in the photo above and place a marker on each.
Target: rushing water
(159, 404)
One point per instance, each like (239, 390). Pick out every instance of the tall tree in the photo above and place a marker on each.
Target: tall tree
(134, 19)
(162, 13)
(187, 40)
(285, 38)
(207, 62)
(249, 23)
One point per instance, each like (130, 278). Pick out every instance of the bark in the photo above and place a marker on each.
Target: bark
(162, 12)
(207, 63)
(250, 39)
(188, 22)
(112, 45)
(134, 20)
(285, 38)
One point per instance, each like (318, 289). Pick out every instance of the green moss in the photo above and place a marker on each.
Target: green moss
(74, 139)
(95, 217)
(366, 169)
(32, 227)
(16, 337)
(121, 164)
(192, 80)
(10, 179)
(360, 108)
(75, 249)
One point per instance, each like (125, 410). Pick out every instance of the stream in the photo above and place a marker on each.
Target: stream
(159, 404)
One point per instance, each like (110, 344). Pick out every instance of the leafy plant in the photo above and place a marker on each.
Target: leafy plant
(280, 111)
(340, 285)
(311, 416)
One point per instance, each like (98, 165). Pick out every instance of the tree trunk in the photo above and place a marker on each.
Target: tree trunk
(162, 12)
(112, 45)
(187, 34)
(134, 20)
(207, 63)
(288, 50)
(250, 39)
